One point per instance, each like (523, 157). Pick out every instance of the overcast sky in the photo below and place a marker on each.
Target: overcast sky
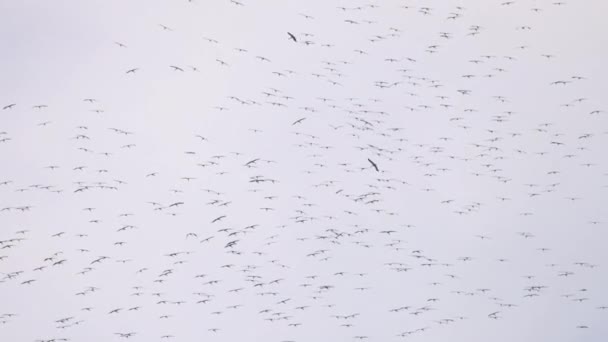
(303, 170)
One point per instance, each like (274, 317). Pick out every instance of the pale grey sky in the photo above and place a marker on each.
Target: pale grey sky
(185, 171)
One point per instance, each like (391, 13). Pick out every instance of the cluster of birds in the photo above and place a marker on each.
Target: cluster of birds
(382, 172)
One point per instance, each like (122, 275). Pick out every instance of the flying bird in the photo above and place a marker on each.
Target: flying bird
(373, 164)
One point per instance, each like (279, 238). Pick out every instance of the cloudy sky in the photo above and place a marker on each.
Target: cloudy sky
(303, 170)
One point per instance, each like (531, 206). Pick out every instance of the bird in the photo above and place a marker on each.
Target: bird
(373, 165)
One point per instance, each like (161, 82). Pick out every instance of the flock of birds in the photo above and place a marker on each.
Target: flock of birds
(362, 171)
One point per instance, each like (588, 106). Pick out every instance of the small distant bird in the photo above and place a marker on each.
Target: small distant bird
(373, 164)
(298, 121)
(292, 37)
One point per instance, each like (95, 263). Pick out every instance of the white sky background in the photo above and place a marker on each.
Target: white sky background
(538, 146)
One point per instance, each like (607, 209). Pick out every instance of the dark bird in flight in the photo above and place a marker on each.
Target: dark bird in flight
(373, 164)
(292, 37)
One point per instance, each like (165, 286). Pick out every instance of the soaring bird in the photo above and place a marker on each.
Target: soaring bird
(292, 37)
(373, 164)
